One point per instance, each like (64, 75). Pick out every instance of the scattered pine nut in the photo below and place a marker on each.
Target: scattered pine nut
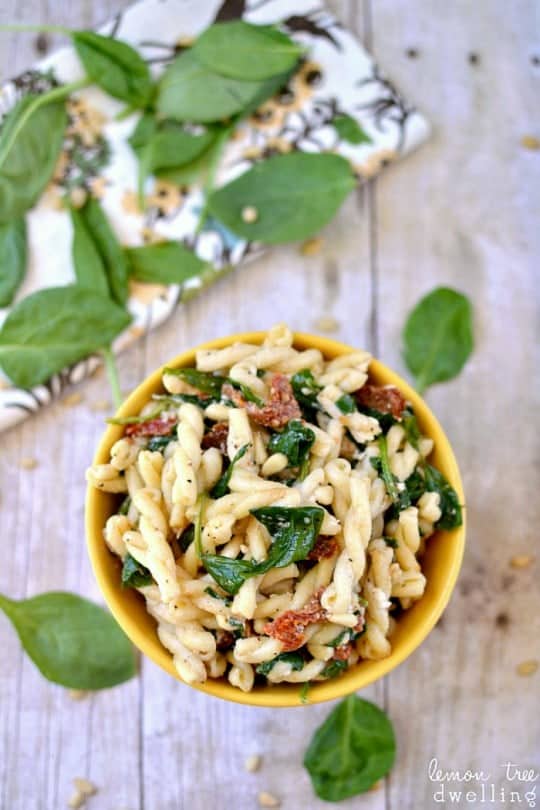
(527, 668)
(326, 323)
(77, 694)
(4, 385)
(250, 214)
(268, 800)
(28, 463)
(521, 561)
(77, 800)
(253, 763)
(84, 786)
(530, 142)
(312, 246)
(136, 331)
(185, 42)
(101, 405)
(72, 399)
(77, 197)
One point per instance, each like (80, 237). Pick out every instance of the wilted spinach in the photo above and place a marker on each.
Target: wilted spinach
(305, 391)
(134, 574)
(221, 487)
(12, 259)
(351, 750)
(334, 668)
(438, 337)
(295, 659)
(72, 641)
(295, 442)
(449, 501)
(293, 532)
(346, 403)
(205, 382)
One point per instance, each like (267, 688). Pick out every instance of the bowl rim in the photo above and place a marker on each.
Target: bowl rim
(358, 676)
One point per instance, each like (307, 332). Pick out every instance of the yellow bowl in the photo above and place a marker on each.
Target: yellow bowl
(440, 563)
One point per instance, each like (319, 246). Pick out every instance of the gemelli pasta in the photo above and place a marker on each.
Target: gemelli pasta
(272, 511)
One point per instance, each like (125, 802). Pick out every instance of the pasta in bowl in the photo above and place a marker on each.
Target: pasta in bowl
(275, 518)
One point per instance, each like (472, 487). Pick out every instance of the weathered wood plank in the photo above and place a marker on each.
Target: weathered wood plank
(464, 213)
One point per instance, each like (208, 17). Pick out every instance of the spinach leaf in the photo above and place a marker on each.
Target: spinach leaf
(449, 501)
(190, 91)
(144, 131)
(222, 486)
(295, 442)
(305, 391)
(30, 142)
(215, 595)
(346, 404)
(169, 148)
(438, 337)
(115, 66)
(334, 668)
(391, 542)
(72, 641)
(416, 485)
(238, 627)
(124, 506)
(135, 575)
(246, 392)
(239, 49)
(385, 420)
(294, 196)
(159, 443)
(353, 749)
(186, 538)
(90, 270)
(410, 425)
(295, 659)
(293, 532)
(12, 259)
(53, 328)
(350, 130)
(202, 380)
(163, 263)
(108, 247)
(344, 638)
(382, 465)
(178, 399)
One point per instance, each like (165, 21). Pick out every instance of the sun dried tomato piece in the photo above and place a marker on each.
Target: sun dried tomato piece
(324, 548)
(342, 652)
(277, 411)
(386, 399)
(224, 640)
(289, 628)
(152, 427)
(216, 437)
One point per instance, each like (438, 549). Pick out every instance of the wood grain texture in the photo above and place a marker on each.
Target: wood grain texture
(463, 212)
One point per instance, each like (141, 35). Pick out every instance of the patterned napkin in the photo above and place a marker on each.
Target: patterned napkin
(339, 77)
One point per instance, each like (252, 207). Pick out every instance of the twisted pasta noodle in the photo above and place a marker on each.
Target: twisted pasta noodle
(114, 531)
(402, 456)
(245, 601)
(217, 665)
(429, 510)
(105, 477)
(256, 649)
(283, 671)
(210, 469)
(219, 359)
(150, 466)
(362, 428)
(123, 454)
(279, 335)
(357, 523)
(338, 473)
(374, 644)
(317, 577)
(245, 373)
(272, 606)
(295, 361)
(240, 435)
(189, 666)
(240, 674)
(337, 598)
(187, 456)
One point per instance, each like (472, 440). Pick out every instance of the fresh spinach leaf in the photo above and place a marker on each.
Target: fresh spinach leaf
(221, 487)
(449, 501)
(293, 532)
(239, 50)
(72, 641)
(438, 337)
(334, 668)
(159, 443)
(346, 404)
(305, 392)
(295, 659)
(294, 196)
(416, 485)
(238, 627)
(135, 575)
(350, 130)
(391, 542)
(115, 66)
(202, 380)
(351, 750)
(53, 328)
(30, 141)
(410, 426)
(190, 91)
(108, 247)
(246, 392)
(163, 263)
(295, 441)
(124, 506)
(12, 259)
(186, 538)
(89, 267)
(382, 465)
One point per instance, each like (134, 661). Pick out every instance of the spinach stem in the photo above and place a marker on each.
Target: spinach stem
(52, 29)
(212, 171)
(47, 98)
(112, 373)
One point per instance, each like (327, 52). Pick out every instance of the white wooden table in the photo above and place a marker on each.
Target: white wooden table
(463, 211)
